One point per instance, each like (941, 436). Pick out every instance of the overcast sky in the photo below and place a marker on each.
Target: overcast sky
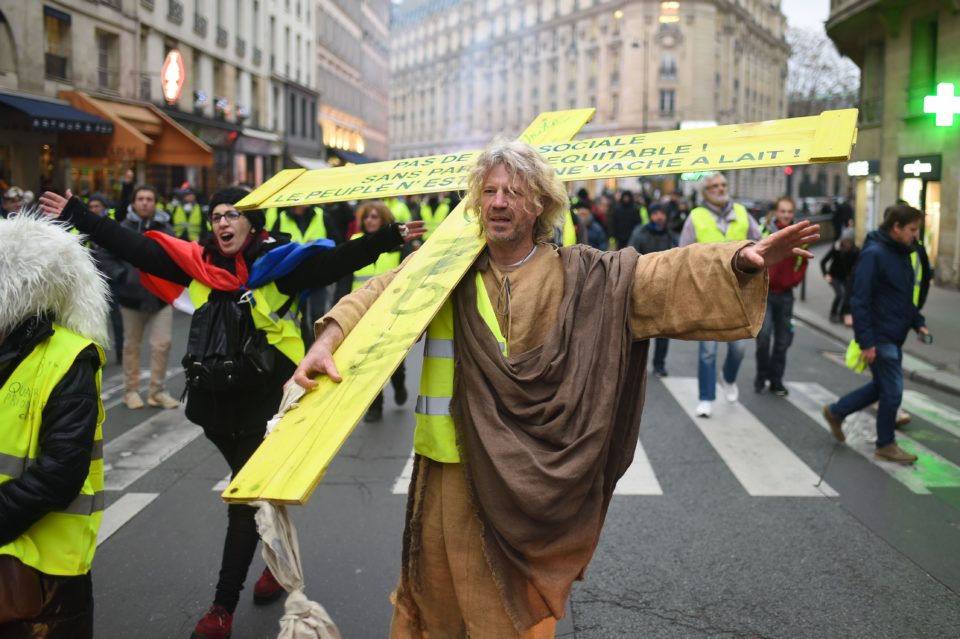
(806, 13)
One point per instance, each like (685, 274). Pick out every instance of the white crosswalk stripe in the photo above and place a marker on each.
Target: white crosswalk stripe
(930, 471)
(762, 464)
(933, 411)
(122, 511)
(132, 455)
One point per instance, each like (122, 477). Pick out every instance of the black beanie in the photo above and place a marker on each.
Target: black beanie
(232, 195)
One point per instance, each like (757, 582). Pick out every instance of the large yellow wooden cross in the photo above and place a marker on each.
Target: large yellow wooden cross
(294, 457)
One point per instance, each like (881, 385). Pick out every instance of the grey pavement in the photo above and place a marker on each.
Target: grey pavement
(936, 365)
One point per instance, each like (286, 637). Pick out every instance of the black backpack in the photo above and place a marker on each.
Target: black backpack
(225, 351)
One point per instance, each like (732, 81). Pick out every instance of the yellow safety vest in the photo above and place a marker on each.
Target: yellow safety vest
(316, 230)
(705, 224)
(569, 230)
(432, 219)
(435, 436)
(190, 224)
(644, 217)
(282, 332)
(384, 263)
(62, 542)
(917, 277)
(399, 208)
(853, 358)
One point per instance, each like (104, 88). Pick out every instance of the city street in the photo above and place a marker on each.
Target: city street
(753, 523)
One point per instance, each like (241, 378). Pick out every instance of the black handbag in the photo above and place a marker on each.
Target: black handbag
(225, 351)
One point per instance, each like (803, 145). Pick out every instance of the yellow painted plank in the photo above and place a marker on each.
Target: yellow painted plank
(268, 188)
(294, 457)
(827, 137)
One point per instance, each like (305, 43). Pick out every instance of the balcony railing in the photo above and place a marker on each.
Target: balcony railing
(108, 78)
(222, 37)
(55, 66)
(241, 47)
(175, 11)
(199, 25)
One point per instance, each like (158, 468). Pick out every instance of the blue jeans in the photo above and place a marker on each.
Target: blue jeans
(707, 367)
(886, 386)
(777, 323)
(660, 345)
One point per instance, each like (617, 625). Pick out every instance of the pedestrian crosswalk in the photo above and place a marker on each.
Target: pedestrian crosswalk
(930, 471)
(762, 464)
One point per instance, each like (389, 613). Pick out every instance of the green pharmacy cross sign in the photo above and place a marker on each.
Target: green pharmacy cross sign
(945, 104)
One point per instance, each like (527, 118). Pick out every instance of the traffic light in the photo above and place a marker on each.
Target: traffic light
(788, 171)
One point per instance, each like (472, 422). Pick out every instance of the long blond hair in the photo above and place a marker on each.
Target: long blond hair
(528, 170)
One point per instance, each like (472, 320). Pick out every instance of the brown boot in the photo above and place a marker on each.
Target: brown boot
(836, 424)
(893, 453)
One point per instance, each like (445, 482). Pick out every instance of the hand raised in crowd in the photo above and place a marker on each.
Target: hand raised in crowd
(52, 204)
(411, 231)
(319, 359)
(777, 246)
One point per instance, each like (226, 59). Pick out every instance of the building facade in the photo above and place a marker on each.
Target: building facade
(353, 79)
(240, 104)
(907, 55)
(465, 70)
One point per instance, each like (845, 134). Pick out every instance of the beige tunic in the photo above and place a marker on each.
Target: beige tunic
(692, 293)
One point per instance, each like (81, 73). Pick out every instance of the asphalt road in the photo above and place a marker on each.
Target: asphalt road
(754, 523)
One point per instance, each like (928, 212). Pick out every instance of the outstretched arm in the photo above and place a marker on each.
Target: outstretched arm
(125, 244)
(777, 246)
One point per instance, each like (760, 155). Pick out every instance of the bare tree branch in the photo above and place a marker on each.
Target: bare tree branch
(816, 69)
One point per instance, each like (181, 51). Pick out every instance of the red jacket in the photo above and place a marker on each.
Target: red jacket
(787, 273)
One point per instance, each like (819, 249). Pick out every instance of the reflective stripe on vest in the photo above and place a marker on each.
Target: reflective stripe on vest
(62, 542)
(385, 262)
(189, 224)
(265, 302)
(435, 436)
(705, 224)
(316, 230)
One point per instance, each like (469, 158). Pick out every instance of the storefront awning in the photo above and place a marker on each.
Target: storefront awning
(47, 115)
(311, 164)
(350, 157)
(144, 132)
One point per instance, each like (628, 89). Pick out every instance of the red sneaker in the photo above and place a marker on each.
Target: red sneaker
(267, 588)
(215, 624)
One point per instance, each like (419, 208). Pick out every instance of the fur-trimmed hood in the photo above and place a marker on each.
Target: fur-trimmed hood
(46, 269)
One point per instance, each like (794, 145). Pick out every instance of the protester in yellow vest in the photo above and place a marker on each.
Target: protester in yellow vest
(371, 217)
(187, 217)
(433, 211)
(531, 394)
(231, 391)
(52, 331)
(398, 206)
(718, 220)
(305, 224)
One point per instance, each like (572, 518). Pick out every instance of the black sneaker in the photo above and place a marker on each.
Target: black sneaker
(660, 372)
(778, 389)
(759, 385)
(373, 415)
(400, 395)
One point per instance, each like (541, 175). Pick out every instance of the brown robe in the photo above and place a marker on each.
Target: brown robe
(693, 293)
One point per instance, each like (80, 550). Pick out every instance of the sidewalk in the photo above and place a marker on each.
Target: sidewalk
(937, 364)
